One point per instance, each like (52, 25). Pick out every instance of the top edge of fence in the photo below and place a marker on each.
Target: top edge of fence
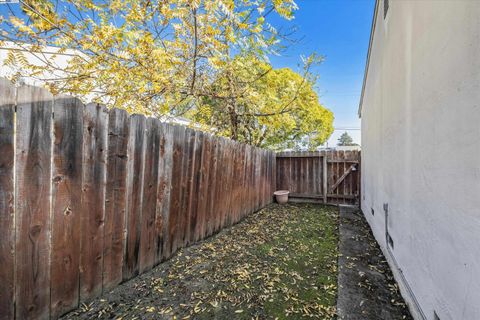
(300, 154)
(45, 94)
(290, 154)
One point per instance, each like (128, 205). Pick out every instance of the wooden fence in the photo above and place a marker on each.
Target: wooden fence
(91, 197)
(326, 176)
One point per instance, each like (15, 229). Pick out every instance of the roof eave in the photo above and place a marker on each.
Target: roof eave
(372, 31)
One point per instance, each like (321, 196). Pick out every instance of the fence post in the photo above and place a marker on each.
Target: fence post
(325, 178)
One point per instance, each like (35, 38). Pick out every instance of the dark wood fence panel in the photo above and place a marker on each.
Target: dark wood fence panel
(115, 198)
(183, 183)
(195, 194)
(224, 175)
(202, 183)
(243, 187)
(136, 162)
(218, 185)
(175, 206)
(7, 222)
(189, 186)
(66, 204)
(211, 188)
(95, 137)
(32, 211)
(91, 197)
(149, 202)
(164, 191)
(325, 176)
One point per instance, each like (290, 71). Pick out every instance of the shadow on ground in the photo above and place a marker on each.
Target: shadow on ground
(279, 263)
(366, 287)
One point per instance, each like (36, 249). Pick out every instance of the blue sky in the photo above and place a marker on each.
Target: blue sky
(339, 31)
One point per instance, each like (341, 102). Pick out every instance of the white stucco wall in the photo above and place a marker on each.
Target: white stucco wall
(51, 54)
(421, 152)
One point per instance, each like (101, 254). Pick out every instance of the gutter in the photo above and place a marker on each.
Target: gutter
(377, 3)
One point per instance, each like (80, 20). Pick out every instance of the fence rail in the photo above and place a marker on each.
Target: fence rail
(322, 176)
(90, 197)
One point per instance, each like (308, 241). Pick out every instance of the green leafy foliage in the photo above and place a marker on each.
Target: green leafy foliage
(346, 140)
(271, 108)
(203, 59)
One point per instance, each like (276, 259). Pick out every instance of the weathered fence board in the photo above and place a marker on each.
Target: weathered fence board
(66, 204)
(251, 178)
(236, 204)
(244, 186)
(32, 211)
(136, 164)
(182, 178)
(95, 137)
(188, 186)
(149, 202)
(325, 176)
(224, 172)
(7, 222)
(202, 173)
(222, 175)
(258, 177)
(90, 197)
(115, 198)
(178, 139)
(164, 191)
(193, 224)
(211, 202)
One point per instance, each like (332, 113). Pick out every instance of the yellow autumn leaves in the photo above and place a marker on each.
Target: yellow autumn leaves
(173, 57)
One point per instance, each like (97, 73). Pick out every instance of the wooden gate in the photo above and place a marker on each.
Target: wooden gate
(323, 176)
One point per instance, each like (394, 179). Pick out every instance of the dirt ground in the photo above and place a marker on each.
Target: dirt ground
(279, 263)
(366, 287)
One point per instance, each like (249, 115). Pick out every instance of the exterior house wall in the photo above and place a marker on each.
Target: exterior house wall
(420, 113)
(48, 53)
(60, 61)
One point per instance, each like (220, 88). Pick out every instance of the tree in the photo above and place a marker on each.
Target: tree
(273, 108)
(142, 55)
(346, 140)
(174, 58)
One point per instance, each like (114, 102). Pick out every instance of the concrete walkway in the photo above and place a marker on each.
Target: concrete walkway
(366, 288)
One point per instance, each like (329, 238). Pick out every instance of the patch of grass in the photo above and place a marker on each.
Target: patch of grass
(279, 263)
(287, 266)
(263, 249)
(308, 249)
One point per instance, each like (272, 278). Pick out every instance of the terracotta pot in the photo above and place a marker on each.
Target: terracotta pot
(281, 196)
